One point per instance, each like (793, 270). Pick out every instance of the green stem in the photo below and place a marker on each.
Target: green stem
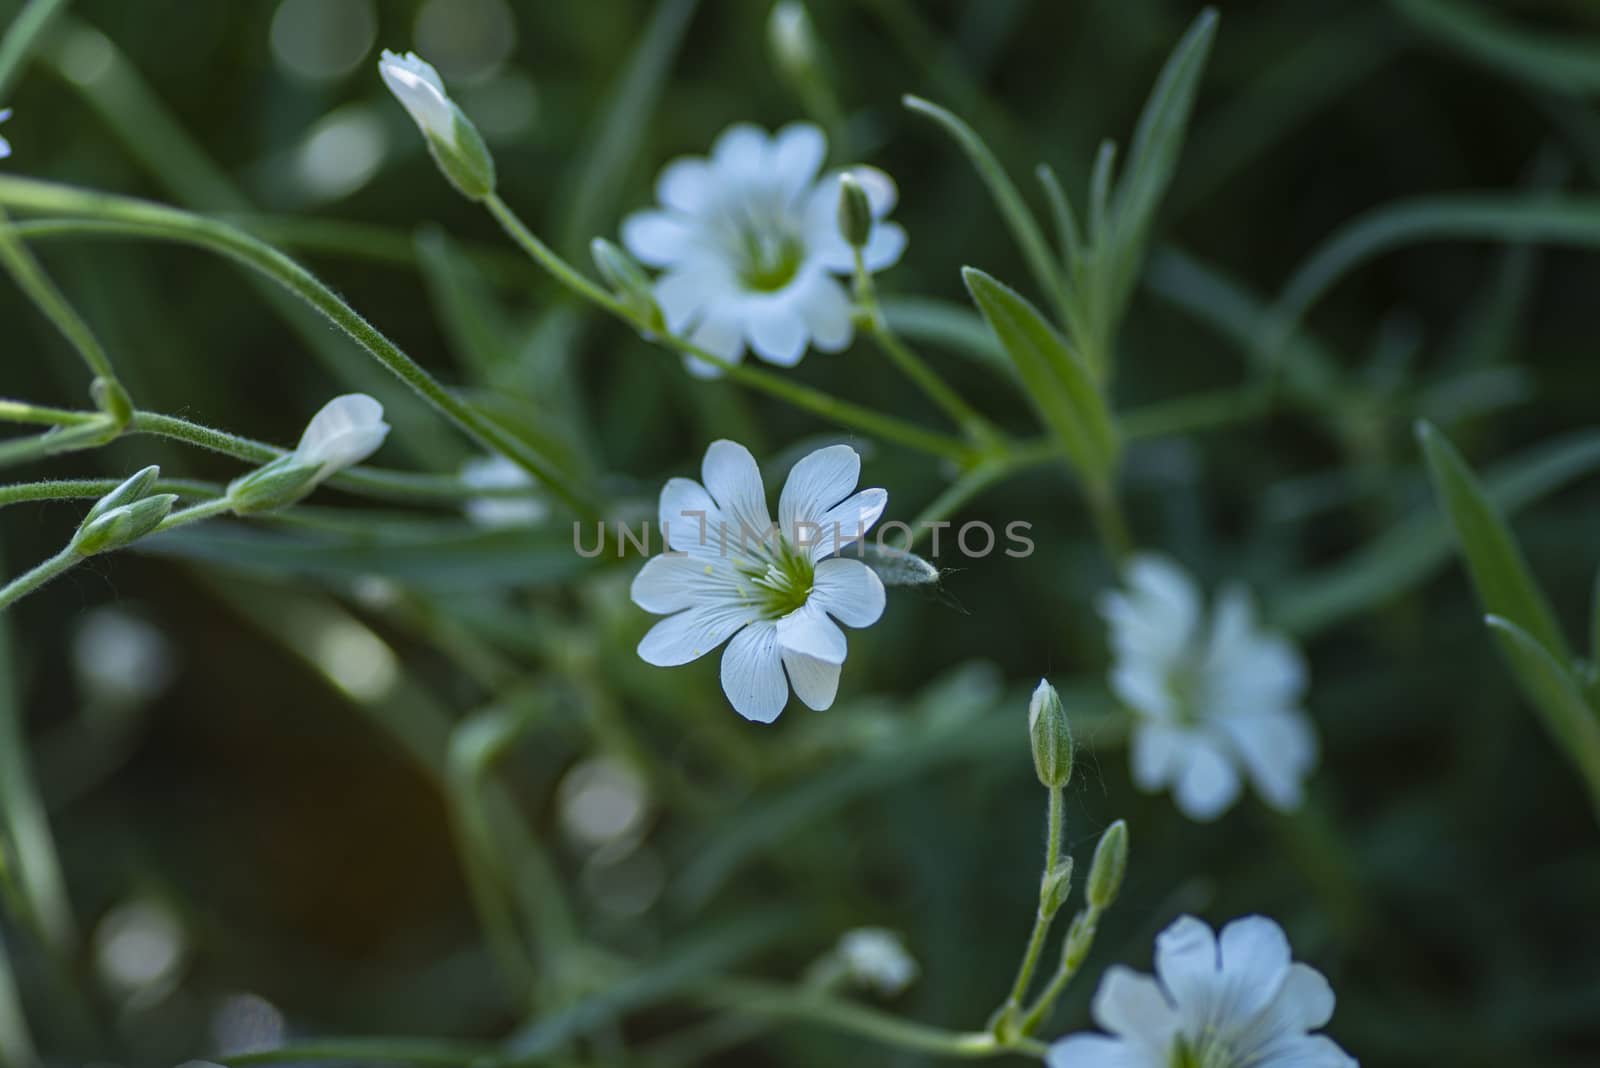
(372, 1051)
(32, 280)
(1058, 982)
(25, 584)
(1016, 458)
(815, 401)
(1200, 411)
(1109, 522)
(767, 999)
(20, 37)
(913, 366)
(15, 411)
(193, 515)
(65, 439)
(1042, 918)
(167, 223)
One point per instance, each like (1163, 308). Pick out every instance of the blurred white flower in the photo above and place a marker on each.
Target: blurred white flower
(499, 473)
(749, 241)
(346, 431)
(1233, 1002)
(1214, 699)
(420, 91)
(5, 146)
(728, 572)
(119, 659)
(876, 959)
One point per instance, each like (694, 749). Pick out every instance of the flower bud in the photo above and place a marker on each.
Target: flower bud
(1080, 939)
(628, 280)
(1050, 736)
(130, 491)
(793, 39)
(118, 527)
(1054, 887)
(855, 212)
(1110, 861)
(453, 141)
(111, 398)
(277, 485)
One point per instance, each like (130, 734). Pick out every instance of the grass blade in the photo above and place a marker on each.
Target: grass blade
(1555, 694)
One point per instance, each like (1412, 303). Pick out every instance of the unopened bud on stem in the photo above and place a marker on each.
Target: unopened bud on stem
(1050, 736)
(1110, 862)
(855, 212)
(1054, 887)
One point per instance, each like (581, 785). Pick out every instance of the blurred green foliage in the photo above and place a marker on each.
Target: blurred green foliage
(1446, 870)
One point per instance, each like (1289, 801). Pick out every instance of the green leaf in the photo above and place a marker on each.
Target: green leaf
(1024, 227)
(448, 556)
(1505, 586)
(1562, 64)
(1153, 155)
(1060, 386)
(1557, 696)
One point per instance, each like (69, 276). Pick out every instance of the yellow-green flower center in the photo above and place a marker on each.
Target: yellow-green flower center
(782, 580)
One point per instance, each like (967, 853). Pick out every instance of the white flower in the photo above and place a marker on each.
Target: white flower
(346, 431)
(5, 146)
(1212, 700)
(420, 90)
(499, 473)
(749, 241)
(876, 959)
(726, 571)
(1233, 1002)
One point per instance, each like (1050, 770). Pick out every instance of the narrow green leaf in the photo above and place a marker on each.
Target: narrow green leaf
(1066, 221)
(1060, 386)
(1153, 154)
(1505, 586)
(1560, 63)
(945, 323)
(1100, 182)
(1556, 695)
(1024, 227)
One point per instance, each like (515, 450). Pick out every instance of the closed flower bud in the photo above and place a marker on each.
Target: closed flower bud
(855, 212)
(628, 280)
(1110, 861)
(277, 485)
(120, 526)
(130, 491)
(1054, 887)
(346, 430)
(454, 143)
(1050, 736)
(792, 38)
(1080, 939)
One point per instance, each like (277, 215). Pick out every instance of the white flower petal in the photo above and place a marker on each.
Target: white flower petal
(5, 146)
(1133, 1006)
(815, 682)
(1255, 963)
(740, 153)
(498, 472)
(776, 329)
(1306, 1051)
(690, 520)
(346, 431)
(1099, 1051)
(849, 591)
(1304, 1002)
(692, 634)
(808, 631)
(795, 155)
(816, 483)
(731, 475)
(826, 309)
(1208, 784)
(1186, 964)
(420, 90)
(1158, 754)
(752, 673)
(673, 583)
(1278, 750)
(688, 185)
(1141, 684)
(684, 292)
(659, 238)
(720, 334)
(848, 522)
(885, 247)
